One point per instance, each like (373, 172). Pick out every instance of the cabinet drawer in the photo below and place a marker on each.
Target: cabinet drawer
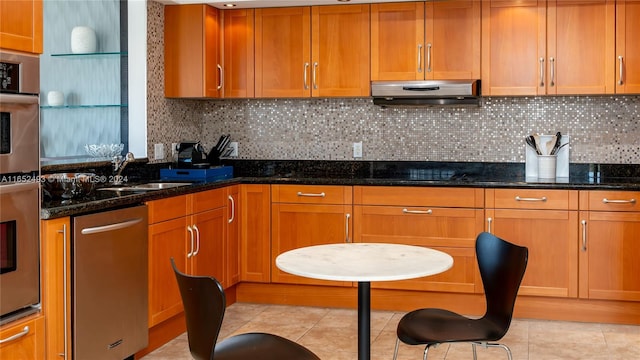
(532, 199)
(311, 194)
(419, 196)
(610, 200)
(28, 342)
(166, 209)
(207, 200)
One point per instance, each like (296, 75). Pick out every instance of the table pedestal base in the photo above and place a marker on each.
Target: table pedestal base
(364, 320)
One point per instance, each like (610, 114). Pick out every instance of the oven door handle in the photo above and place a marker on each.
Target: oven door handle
(18, 99)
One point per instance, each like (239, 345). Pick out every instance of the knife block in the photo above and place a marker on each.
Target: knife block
(562, 163)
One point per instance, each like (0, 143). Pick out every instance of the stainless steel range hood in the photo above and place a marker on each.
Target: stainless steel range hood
(429, 92)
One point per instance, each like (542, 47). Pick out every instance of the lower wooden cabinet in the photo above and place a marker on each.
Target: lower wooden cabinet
(23, 339)
(255, 233)
(445, 219)
(545, 221)
(609, 245)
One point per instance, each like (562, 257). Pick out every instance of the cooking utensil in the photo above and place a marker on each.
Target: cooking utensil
(531, 142)
(551, 144)
(556, 146)
(536, 141)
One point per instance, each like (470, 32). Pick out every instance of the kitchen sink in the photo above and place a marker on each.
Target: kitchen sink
(145, 187)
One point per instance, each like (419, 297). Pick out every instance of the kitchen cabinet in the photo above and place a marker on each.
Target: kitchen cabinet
(317, 51)
(548, 47)
(55, 248)
(232, 236)
(425, 40)
(191, 229)
(628, 46)
(448, 220)
(23, 339)
(255, 233)
(192, 52)
(21, 25)
(609, 245)
(305, 215)
(238, 53)
(545, 221)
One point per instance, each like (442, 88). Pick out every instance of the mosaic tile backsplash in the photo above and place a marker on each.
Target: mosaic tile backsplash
(603, 129)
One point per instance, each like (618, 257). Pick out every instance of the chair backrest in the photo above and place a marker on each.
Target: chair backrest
(502, 266)
(204, 305)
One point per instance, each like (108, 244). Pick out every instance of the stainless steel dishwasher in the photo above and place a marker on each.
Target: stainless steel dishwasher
(110, 289)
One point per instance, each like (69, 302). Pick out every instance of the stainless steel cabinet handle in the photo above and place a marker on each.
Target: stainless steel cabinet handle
(110, 227)
(233, 209)
(305, 70)
(621, 75)
(489, 221)
(429, 57)
(348, 216)
(425, 212)
(630, 201)
(552, 63)
(584, 235)
(22, 333)
(197, 240)
(190, 253)
(221, 77)
(300, 193)
(419, 58)
(65, 324)
(315, 70)
(541, 71)
(543, 199)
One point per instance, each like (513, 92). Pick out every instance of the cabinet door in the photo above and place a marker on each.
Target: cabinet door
(609, 253)
(283, 52)
(581, 38)
(340, 51)
(29, 343)
(452, 40)
(21, 25)
(628, 47)
(191, 52)
(56, 285)
(453, 231)
(233, 235)
(550, 237)
(255, 233)
(166, 240)
(513, 47)
(299, 225)
(207, 257)
(238, 53)
(397, 41)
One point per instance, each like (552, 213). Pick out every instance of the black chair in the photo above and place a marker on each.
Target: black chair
(204, 306)
(502, 266)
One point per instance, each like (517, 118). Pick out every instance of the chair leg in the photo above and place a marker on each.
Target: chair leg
(475, 354)
(395, 352)
(426, 352)
(488, 345)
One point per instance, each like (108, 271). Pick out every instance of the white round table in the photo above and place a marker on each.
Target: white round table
(364, 263)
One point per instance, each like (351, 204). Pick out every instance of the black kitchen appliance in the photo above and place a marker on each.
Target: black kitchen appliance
(191, 155)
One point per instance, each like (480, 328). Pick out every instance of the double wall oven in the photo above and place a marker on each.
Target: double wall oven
(19, 185)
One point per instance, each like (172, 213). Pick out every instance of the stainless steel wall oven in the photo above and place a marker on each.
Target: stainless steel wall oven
(19, 186)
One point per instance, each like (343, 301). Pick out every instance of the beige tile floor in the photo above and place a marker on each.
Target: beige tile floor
(332, 335)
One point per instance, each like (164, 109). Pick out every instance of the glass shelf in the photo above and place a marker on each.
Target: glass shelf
(98, 54)
(83, 106)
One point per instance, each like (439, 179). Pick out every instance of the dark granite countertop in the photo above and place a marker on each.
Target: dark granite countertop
(377, 173)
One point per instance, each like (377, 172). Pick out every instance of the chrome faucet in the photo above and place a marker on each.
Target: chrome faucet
(118, 166)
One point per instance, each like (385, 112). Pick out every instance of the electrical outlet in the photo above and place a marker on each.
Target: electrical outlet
(357, 149)
(158, 151)
(234, 148)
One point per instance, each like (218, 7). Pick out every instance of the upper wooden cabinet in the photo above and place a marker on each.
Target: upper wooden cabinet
(21, 25)
(315, 51)
(548, 47)
(238, 53)
(191, 51)
(628, 46)
(418, 40)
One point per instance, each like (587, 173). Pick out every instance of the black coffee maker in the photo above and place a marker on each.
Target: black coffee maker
(191, 155)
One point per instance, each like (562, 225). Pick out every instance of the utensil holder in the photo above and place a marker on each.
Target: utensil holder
(547, 166)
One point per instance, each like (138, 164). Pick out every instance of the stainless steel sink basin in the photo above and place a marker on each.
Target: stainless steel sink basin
(145, 187)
